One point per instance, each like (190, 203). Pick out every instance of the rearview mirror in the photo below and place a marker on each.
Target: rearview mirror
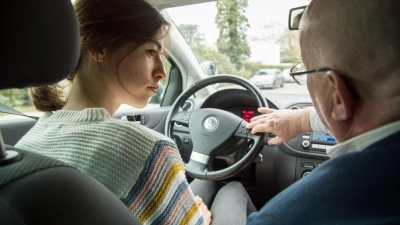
(295, 15)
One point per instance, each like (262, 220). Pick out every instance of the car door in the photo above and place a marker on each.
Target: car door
(279, 78)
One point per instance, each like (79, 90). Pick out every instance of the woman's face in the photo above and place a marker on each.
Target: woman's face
(139, 74)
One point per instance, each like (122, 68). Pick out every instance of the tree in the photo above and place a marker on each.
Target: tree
(15, 97)
(272, 31)
(195, 39)
(222, 61)
(233, 24)
(290, 47)
(191, 34)
(288, 41)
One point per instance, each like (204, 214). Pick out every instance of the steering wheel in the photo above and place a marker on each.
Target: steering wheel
(211, 129)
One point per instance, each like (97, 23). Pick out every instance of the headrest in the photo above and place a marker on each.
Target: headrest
(40, 42)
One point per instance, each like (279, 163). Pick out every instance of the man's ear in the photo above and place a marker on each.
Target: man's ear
(97, 56)
(342, 97)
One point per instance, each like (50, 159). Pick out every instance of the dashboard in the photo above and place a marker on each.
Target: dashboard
(242, 104)
(277, 166)
(310, 141)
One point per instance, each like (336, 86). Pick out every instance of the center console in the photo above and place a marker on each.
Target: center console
(316, 141)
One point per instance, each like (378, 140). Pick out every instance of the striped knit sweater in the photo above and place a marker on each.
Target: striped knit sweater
(140, 166)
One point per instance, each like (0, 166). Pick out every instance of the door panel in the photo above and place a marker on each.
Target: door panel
(152, 118)
(13, 129)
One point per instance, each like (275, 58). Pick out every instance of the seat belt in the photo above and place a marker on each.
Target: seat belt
(9, 110)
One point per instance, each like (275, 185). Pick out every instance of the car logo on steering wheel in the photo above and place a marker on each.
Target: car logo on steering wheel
(211, 123)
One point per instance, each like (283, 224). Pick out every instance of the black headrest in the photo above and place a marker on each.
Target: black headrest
(40, 42)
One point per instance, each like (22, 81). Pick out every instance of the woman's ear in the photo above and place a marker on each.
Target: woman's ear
(342, 97)
(97, 56)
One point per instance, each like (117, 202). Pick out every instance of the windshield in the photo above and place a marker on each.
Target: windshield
(261, 41)
(263, 73)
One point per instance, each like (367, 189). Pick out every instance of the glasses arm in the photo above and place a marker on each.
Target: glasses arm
(308, 71)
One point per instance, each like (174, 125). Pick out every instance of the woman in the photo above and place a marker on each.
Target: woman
(122, 42)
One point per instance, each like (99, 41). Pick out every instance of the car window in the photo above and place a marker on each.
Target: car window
(265, 31)
(270, 46)
(19, 98)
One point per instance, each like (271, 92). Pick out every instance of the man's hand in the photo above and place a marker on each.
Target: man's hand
(204, 210)
(285, 124)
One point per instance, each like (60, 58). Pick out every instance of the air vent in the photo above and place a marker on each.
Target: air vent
(187, 106)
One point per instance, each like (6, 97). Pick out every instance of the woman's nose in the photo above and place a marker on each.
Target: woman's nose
(160, 72)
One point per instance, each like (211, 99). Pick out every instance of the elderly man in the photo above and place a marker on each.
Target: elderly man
(353, 50)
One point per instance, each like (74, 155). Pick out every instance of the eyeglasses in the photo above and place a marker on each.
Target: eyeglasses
(299, 73)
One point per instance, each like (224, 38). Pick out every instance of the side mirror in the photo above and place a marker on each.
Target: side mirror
(295, 16)
(209, 68)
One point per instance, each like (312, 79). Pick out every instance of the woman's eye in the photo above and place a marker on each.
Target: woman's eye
(151, 52)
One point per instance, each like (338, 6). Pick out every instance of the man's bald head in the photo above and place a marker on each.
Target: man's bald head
(359, 39)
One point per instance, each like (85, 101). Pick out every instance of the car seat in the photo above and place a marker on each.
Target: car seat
(41, 46)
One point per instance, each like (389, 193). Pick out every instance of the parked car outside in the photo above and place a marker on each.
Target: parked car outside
(268, 78)
(286, 76)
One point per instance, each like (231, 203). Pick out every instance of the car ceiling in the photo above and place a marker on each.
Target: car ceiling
(162, 4)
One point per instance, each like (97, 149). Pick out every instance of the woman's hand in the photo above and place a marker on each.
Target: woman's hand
(285, 124)
(204, 210)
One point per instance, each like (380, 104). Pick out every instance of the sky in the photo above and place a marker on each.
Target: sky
(276, 10)
(259, 11)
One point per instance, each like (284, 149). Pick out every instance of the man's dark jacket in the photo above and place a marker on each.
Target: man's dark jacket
(355, 188)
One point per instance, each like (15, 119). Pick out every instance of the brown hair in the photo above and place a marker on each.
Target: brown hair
(111, 25)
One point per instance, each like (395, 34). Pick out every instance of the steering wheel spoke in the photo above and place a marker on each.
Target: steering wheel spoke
(242, 131)
(181, 118)
(197, 166)
(200, 157)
